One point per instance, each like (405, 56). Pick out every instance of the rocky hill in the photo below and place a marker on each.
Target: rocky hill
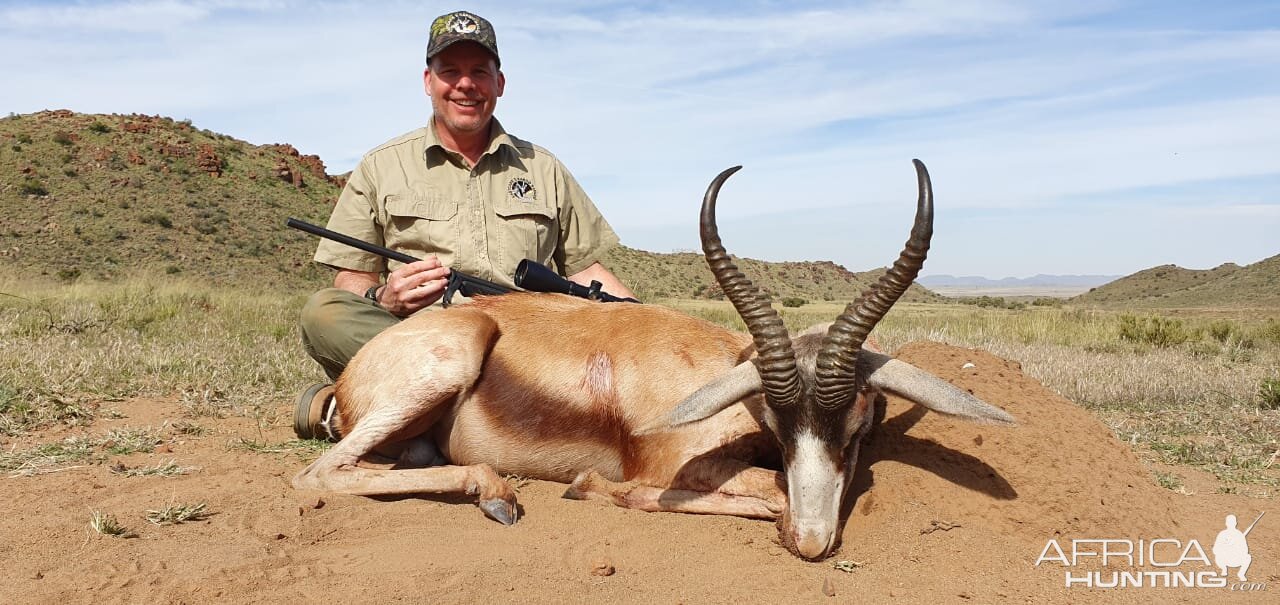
(99, 196)
(1170, 286)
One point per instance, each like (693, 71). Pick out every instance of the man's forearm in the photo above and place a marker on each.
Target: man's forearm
(608, 281)
(356, 282)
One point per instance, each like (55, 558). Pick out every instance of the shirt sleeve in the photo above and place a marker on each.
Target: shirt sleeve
(584, 234)
(355, 215)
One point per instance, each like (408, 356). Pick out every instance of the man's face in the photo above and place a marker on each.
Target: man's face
(464, 85)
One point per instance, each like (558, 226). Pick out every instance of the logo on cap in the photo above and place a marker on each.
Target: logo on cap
(462, 23)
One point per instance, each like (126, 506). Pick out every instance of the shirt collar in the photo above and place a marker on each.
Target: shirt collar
(498, 137)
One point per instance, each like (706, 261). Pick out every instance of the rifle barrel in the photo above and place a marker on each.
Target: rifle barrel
(350, 241)
(1255, 522)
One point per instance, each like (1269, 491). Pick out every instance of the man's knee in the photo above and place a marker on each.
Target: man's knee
(335, 324)
(325, 311)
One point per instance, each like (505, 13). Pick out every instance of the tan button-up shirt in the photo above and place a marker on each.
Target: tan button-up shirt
(414, 196)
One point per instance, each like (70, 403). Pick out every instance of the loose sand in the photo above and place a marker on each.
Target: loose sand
(942, 512)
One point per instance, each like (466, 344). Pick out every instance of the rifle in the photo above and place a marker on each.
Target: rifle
(530, 275)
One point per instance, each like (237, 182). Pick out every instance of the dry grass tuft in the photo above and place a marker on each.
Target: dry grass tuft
(165, 469)
(107, 525)
(178, 513)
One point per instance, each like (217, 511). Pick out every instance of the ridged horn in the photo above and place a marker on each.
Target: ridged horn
(776, 361)
(835, 378)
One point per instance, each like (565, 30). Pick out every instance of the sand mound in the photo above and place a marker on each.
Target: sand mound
(1060, 472)
(945, 511)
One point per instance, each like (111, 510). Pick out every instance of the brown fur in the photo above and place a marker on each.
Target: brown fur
(561, 385)
(558, 388)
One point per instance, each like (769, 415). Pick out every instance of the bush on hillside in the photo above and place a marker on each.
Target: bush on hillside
(33, 187)
(1155, 331)
(1269, 394)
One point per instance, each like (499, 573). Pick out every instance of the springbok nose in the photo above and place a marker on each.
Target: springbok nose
(813, 542)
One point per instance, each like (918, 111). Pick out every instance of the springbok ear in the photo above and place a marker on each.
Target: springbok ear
(919, 386)
(741, 381)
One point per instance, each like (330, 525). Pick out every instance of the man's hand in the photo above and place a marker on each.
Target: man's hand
(413, 286)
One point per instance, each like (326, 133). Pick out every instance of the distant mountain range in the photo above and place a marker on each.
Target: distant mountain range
(975, 281)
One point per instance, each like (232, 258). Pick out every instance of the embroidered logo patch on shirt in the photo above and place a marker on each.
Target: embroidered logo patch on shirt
(521, 189)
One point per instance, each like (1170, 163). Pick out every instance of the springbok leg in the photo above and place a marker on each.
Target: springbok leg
(739, 491)
(433, 379)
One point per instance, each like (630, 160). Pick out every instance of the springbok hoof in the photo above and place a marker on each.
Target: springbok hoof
(499, 510)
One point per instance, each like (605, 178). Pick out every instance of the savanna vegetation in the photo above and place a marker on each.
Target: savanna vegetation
(1201, 390)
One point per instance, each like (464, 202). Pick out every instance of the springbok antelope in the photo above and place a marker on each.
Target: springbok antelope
(681, 410)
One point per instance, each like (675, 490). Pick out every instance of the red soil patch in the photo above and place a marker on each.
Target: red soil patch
(945, 512)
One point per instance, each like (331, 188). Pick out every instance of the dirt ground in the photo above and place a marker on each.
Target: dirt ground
(941, 512)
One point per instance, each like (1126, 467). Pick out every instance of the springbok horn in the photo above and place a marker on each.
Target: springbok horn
(835, 379)
(903, 379)
(776, 360)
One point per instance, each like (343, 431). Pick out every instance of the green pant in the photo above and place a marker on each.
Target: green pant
(336, 323)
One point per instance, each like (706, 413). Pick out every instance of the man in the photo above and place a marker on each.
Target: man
(459, 193)
(1231, 549)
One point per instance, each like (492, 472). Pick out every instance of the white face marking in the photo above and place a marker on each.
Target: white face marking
(815, 487)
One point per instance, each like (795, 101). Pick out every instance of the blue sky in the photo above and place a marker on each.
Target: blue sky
(1084, 137)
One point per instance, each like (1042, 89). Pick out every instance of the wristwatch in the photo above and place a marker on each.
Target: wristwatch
(372, 293)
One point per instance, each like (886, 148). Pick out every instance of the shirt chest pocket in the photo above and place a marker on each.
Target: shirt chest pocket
(527, 231)
(424, 225)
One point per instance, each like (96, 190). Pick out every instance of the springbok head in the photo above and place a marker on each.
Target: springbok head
(818, 386)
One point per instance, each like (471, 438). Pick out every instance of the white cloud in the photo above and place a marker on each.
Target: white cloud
(1016, 107)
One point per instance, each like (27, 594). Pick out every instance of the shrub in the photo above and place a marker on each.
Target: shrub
(24, 138)
(1221, 330)
(792, 301)
(1269, 394)
(33, 187)
(62, 138)
(157, 218)
(98, 126)
(68, 275)
(1156, 331)
(1270, 331)
(205, 228)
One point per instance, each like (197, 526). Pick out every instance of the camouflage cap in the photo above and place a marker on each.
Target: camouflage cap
(461, 26)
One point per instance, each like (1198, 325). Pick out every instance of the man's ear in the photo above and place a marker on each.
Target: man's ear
(502, 82)
(426, 81)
